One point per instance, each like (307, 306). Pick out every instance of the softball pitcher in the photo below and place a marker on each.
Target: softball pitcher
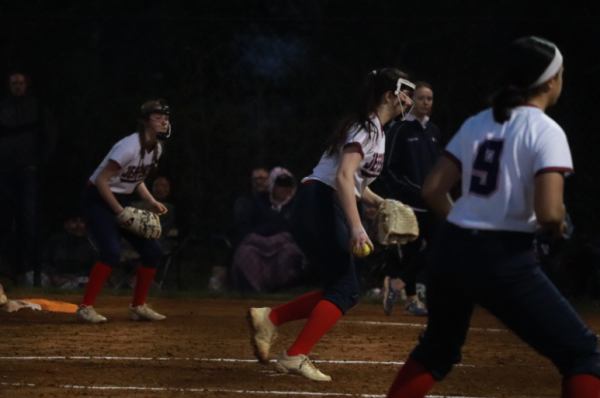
(325, 214)
(512, 159)
(109, 190)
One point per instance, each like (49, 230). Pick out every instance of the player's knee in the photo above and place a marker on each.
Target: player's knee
(110, 258)
(151, 256)
(343, 302)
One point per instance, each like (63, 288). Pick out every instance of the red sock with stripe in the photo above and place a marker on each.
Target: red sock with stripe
(581, 386)
(299, 308)
(97, 279)
(143, 282)
(321, 319)
(412, 381)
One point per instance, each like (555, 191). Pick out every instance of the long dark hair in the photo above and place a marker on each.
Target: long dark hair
(375, 85)
(145, 116)
(525, 61)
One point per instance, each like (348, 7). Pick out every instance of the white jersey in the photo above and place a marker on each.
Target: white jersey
(499, 163)
(372, 151)
(134, 169)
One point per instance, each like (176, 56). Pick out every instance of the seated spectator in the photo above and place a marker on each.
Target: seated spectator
(267, 258)
(243, 206)
(68, 256)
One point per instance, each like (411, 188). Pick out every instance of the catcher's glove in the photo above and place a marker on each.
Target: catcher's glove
(395, 223)
(141, 222)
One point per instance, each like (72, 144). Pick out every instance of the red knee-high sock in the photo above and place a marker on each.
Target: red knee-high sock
(98, 277)
(581, 386)
(143, 281)
(321, 319)
(299, 308)
(412, 381)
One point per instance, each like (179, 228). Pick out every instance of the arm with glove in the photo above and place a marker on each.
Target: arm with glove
(141, 222)
(395, 223)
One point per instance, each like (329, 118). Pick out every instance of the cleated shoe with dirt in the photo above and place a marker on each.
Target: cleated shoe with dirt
(299, 365)
(262, 332)
(87, 314)
(144, 313)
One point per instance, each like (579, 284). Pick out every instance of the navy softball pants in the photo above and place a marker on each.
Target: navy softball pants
(496, 270)
(100, 220)
(319, 227)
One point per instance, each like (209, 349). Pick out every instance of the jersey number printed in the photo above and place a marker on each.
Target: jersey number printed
(484, 178)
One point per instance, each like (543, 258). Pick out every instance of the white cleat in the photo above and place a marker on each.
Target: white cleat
(144, 313)
(87, 314)
(299, 365)
(262, 332)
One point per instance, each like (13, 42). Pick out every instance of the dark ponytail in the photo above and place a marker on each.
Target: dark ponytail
(525, 61)
(375, 85)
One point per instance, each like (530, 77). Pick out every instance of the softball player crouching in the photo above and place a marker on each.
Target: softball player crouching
(109, 190)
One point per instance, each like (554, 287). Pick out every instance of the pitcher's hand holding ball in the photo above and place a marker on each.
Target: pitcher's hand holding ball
(361, 251)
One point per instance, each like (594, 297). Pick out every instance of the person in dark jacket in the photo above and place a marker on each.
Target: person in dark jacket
(68, 256)
(413, 146)
(27, 140)
(242, 208)
(267, 258)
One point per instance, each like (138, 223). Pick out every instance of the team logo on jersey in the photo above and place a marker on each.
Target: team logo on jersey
(373, 168)
(137, 173)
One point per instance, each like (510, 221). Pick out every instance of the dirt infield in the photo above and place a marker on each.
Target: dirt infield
(202, 350)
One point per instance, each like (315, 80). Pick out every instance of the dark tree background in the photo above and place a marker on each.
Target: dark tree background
(262, 82)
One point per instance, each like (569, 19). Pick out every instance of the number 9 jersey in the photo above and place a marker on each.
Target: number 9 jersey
(499, 163)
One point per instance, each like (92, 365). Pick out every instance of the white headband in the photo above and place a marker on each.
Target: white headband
(551, 70)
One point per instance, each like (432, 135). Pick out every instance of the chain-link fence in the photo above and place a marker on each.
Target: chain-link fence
(264, 83)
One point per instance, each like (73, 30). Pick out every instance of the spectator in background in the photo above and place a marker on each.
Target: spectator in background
(242, 208)
(267, 258)
(412, 148)
(68, 256)
(27, 140)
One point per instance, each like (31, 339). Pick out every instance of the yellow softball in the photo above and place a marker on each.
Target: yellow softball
(366, 250)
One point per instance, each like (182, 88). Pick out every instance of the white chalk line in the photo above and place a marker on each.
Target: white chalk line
(419, 325)
(423, 325)
(215, 390)
(80, 358)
